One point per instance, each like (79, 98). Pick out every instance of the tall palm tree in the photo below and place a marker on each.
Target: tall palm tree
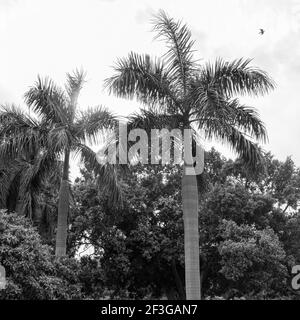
(181, 93)
(57, 130)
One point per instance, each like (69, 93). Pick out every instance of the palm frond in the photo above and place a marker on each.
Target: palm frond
(24, 180)
(32, 179)
(236, 77)
(168, 139)
(4, 184)
(231, 111)
(179, 57)
(92, 122)
(139, 76)
(47, 100)
(247, 119)
(20, 134)
(73, 86)
(59, 138)
(12, 113)
(249, 152)
(151, 119)
(107, 175)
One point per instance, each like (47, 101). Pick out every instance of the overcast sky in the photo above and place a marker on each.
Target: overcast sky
(52, 37)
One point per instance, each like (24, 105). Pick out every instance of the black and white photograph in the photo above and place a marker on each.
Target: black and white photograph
(149, 151)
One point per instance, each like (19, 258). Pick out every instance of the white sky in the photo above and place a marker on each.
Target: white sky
(52, 37)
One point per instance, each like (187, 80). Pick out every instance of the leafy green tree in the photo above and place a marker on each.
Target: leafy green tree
(140, 246)
(255, 256)
(57, 130)
(281, 179)
(290, 237)
(32, 272)
(284, 183)
(183, 94)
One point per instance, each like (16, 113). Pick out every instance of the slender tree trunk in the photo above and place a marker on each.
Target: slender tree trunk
(191, 236)
(63, 210)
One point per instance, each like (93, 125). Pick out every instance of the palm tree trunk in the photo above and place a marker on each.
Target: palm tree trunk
(191, 236)
(63, 210)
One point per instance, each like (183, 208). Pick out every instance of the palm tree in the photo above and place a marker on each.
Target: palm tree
(30, 188)
(58, 130)
(24, 164)
(181, 93)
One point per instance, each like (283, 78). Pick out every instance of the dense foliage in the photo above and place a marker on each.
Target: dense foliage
(249, 237)
(31, 269)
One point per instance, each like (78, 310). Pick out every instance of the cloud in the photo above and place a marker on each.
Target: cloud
(144, 15)
(94, 33)
(8, 3)
(5, 96)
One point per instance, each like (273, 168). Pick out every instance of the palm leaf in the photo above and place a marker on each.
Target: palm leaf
(249, 151)
(152, 119)
(179, 57)
(73, 87)
(32, 179)
(92, 122)
(141, 77)
(236, 77)
(59, 138)
(107, 175)
(232, 112)
(48, 101)
(19, 133)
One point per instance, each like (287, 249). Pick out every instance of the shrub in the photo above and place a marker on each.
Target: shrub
(31, 269)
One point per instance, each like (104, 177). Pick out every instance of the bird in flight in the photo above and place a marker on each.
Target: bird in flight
(261, 31)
